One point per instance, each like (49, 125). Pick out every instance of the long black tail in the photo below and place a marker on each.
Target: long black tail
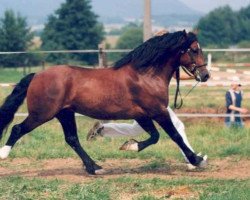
(13, 102)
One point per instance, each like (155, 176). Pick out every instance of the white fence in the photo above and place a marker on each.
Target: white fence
(194, 115)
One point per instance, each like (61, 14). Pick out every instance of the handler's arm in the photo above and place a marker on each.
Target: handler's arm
(241, 110)
(230, 105)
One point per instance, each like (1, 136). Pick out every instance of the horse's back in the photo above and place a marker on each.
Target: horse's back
(46, 92)
(99, 93)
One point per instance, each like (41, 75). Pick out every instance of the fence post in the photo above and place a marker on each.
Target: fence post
(209, 61)
(102, 55)
(43, 65)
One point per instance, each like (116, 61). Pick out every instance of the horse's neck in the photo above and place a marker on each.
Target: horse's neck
(168, 71)
(165, 74)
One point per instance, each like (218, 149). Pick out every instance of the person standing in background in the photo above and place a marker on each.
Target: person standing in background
(234, 97)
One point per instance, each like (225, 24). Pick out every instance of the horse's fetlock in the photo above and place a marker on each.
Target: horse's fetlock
(155, 139)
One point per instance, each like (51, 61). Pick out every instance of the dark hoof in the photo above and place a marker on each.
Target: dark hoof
(95, 170)
(203, 163)
(198, 161)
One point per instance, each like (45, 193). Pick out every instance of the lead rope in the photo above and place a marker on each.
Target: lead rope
(179, 92)
(177, 74)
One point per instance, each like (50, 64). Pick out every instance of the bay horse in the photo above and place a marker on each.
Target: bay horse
(136, 87)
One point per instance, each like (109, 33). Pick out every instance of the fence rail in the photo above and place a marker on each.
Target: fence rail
(216, 67)
(112, 51)
(194, 115)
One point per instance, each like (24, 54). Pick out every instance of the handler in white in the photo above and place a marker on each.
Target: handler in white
(134, 129)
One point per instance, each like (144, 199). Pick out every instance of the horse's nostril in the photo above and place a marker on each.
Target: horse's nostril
(207, 76)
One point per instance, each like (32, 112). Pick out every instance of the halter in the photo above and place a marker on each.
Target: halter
(194, 66)
(193, 71)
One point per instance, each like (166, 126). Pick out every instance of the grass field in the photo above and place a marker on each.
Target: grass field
(155, 173)
(42, 166)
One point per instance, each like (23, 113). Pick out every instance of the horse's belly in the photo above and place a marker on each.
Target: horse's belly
(109, 110)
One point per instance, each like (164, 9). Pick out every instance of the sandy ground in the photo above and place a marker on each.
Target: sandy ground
(73, 171)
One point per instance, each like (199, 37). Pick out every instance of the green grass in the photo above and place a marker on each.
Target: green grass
(10, 75)
(138, 189)
(206, 135)
(13, 75)
(47, 141)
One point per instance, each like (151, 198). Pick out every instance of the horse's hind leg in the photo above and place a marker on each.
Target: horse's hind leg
(147, 124)
(17, 132)
(67, 120)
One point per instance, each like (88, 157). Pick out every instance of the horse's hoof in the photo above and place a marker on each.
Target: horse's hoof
(131, 145)
(191, 167)
(4, 152)
(203, 163)
(100, 172)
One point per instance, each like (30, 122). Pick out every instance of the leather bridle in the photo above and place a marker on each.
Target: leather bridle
(194, 67)
(193, 71)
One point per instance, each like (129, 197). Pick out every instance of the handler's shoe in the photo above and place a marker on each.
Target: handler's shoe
(95, 131)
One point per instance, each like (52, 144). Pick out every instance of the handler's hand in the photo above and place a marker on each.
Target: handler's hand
(243, 110)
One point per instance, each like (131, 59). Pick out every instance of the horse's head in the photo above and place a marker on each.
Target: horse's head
(192, 59)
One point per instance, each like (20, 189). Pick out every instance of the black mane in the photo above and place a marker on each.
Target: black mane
(155, 52)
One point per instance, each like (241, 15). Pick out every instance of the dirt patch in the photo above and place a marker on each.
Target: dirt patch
(72, 170)
(181, 192)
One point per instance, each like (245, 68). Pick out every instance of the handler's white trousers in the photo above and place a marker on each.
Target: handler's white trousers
(126, 129)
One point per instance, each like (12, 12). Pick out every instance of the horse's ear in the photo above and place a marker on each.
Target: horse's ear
(162, 32)
(195, 31)
(184, 31)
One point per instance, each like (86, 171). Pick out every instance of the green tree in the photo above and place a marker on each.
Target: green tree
(15, 35)
(73, 27)
(219, 27)
(223, 27)
(131, 37)
(244, 21)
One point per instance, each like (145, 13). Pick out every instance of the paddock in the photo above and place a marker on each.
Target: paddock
(42, 166)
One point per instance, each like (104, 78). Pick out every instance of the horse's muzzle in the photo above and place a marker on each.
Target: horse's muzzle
(204, 77)
(201, 76)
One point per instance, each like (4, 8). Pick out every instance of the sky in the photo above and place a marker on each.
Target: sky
(207, 5)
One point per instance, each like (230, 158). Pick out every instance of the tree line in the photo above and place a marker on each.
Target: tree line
(75, 26)
(224, 27)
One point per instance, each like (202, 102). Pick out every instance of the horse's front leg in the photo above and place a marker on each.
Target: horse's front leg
(165, 122)
(147, 124)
